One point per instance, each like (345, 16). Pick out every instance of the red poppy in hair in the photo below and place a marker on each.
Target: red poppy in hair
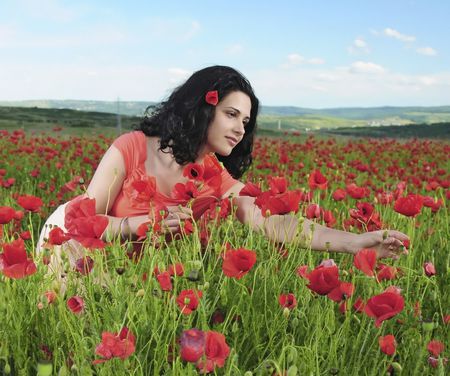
(212, 97)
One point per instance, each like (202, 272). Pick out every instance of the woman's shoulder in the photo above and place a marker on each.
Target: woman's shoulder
(129, 137)
(132, 146)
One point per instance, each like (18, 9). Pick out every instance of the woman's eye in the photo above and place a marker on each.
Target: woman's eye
(231, 114)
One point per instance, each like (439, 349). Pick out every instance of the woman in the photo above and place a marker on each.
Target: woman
(213, 114)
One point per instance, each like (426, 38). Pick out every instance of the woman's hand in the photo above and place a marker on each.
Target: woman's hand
(172, 222)
(387, 243)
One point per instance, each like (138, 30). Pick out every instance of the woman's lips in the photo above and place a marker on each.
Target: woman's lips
(232, 141)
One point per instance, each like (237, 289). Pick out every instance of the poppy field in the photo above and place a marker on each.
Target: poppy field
(219, 298)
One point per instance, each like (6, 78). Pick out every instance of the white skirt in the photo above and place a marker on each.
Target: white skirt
(70, 250)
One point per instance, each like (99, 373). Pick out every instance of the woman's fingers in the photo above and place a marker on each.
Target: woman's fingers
(179, 210)
(398, 235)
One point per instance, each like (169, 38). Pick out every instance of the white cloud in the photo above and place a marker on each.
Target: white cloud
(11, 37)
(427, 51)
(234, 49)
(358, 46)
(306, 86)
(86, 81)
(392, 33)
(295, 59)
(179, 30)
(192, 31)
(340, 87)
(178, 74)
(51, 10)
(366, 67)
(316, 61)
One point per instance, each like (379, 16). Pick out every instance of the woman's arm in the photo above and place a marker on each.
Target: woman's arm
(288, 228)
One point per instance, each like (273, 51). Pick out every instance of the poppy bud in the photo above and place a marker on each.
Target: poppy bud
(292, 371)
(428, 325)
(248, 373)
(140, 292)
(292, 355)
(397, 367)
(7, 369)
(193, 275)
(44, 369)
(63, 371)
(286, 312)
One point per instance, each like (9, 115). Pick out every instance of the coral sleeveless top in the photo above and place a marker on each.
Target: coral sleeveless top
(133, 147)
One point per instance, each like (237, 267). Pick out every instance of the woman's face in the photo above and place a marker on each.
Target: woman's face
(228, 125)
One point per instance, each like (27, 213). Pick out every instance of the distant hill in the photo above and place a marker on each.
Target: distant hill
(69, 121)
(271, 117)
(125, 108)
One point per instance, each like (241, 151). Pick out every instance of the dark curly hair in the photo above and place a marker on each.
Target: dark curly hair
(181, 122)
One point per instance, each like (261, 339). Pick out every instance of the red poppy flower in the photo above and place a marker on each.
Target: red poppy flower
(14, 262)
(212, 167)
(50, 296)
(323, 280)
(192, 345)
(356, 192)
(194, 171)
(84, 265)
(56, 236)
(75, 304)
(188, 301)
(409, 206)
(212, 97)
(303, 271)
(283, 203)
(83, 224)
(6, 214)
(313, 211)
(342, 292)
(145, 189)
(164, 281)
(317, 180)
(435, 347)
(359, 305)
(384, 306)
(176, 269)
(339, 194)
(429, 269)
(277, 185)
(237, 263)
(329, 218)
(386, 272)
(216, 352)
(251, 190)
(114, 345)
(217, 317)
(365, 260)
(185, 191)
(287, 301)
(387, 344)
(25, 235)
(30, 203)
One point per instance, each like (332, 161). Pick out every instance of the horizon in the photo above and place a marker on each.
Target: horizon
(261, 105)
(353, 55)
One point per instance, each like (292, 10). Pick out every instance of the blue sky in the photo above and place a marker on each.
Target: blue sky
(302, 53)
